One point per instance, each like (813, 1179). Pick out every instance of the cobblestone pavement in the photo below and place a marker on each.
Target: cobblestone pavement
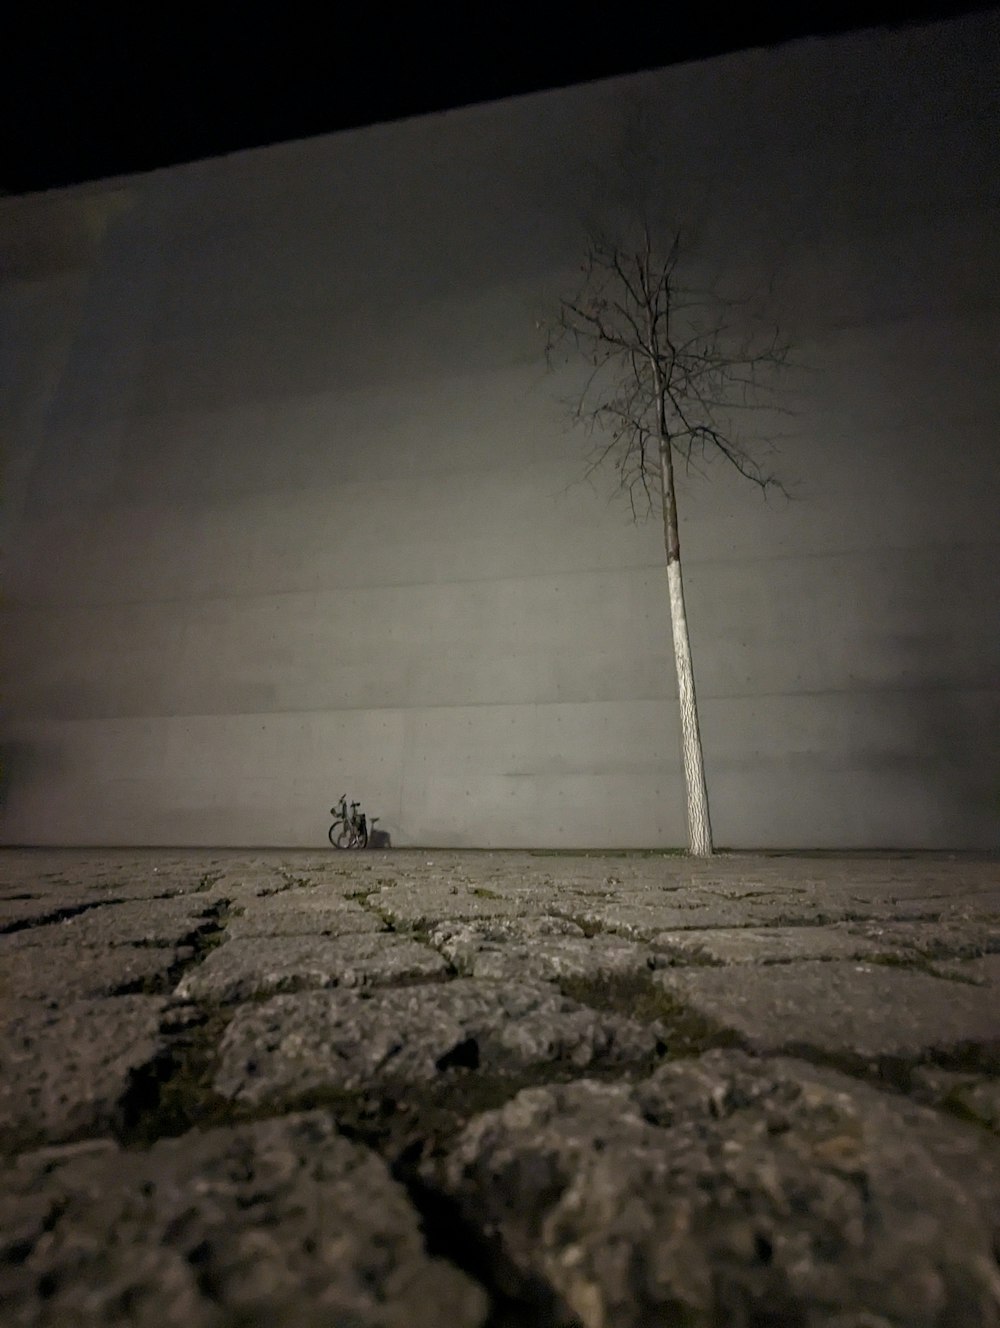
(499, 1089)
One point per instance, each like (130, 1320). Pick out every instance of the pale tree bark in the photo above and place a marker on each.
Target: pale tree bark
(698, 818)
(699, 821)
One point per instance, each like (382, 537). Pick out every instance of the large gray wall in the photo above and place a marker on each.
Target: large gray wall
(290, 508)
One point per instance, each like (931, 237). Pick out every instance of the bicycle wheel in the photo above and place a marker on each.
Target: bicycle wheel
(346, 837)
(336, 835)
(361, 837)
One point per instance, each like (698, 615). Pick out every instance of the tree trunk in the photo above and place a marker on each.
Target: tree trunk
(699, 822)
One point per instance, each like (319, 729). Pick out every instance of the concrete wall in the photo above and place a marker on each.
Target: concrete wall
(289, 499)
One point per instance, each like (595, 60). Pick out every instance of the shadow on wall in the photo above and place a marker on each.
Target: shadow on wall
(380, 839)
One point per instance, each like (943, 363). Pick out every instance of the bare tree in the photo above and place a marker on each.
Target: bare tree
(669, 372)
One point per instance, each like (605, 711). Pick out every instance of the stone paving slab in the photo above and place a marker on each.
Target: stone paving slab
(309, 883)
(867, 1010)
(726, 1191)
(280, 1223)
(558, 960)
(117, 877)
(315, 912)
(254, 966)
(422, 906)
(643, 919)
(951, 938)
(460, 936)
(547, 948)
(18, 914)
(347, 1040)
(253, 878)
(65, 1071)
(63, 973)
(132, 922)
(601, 981)
(760, 945)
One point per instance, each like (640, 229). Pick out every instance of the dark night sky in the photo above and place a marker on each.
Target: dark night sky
(87, 93)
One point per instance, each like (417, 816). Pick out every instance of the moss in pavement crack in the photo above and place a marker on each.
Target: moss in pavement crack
(636, 995)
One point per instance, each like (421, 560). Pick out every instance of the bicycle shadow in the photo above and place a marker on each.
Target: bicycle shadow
(379, 839)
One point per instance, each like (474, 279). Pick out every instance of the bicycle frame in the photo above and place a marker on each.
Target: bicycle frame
(350, 828)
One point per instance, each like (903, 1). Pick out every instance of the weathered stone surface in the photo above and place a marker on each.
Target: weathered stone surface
(546, 948)
(778, 1191)
(276, 917)
(63, 1071)
(114, 875)
(251, 874)
(135, 922)
(249, 966)
(54, 974)
(350, 1040)
(306, 882)
(18, 916)
(954, 938)
(729, 1191)
(643, 919)
(554, 960)
(282, 1223)
(863, 1009)
(458, 937)
(423, 905)
(760, 945)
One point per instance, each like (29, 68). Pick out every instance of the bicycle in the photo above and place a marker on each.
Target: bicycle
(349, 829)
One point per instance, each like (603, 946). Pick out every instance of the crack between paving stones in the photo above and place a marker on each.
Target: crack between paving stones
(57, 915)
(516, 1299)
(913, 961)
(895, 1074)
(74, 910)
(688, 1034)
(638, 997)
(919, 962)
(171, 1093)
(288, 882)
(388, 925)
(400, 1124)
(647, 935)
(405, 1126)
(191, 949)
(183, 1099)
